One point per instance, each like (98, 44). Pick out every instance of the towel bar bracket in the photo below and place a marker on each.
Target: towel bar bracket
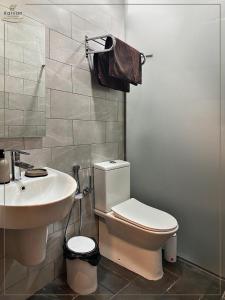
(95, 39)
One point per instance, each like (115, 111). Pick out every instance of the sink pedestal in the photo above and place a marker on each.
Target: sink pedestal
(27, 246)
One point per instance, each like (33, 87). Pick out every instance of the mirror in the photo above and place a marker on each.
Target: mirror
(22, 78)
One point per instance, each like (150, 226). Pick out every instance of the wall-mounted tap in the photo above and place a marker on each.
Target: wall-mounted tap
(15, 162)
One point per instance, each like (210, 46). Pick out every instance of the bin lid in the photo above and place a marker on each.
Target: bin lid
(81, 244)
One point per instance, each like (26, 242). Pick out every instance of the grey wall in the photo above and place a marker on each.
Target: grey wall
(84, 123)
(173, 122)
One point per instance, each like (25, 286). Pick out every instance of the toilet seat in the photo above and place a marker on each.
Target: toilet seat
(144, 216)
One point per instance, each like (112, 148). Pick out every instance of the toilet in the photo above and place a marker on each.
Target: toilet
(131, 233)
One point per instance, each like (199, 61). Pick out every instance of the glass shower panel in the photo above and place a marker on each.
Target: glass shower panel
(173, 122)
(24, 81)
(23, 110)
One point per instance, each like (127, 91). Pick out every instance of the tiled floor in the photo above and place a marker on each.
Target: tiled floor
(180, 281)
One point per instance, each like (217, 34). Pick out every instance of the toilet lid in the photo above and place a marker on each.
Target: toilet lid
(145, 216)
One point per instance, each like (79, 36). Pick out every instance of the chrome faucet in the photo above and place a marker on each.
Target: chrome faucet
(15, 162)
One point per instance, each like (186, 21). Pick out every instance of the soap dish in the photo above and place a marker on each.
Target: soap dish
(36, 173)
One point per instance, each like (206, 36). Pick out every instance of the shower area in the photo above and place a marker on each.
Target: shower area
(175, 122)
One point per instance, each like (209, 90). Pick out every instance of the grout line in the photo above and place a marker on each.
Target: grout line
(172, 285)
(117, 293)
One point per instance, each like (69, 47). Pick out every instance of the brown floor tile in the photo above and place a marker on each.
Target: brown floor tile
(94, 297)
(117, 283)
(211, 297)
(113, 267)
(192, 280)
(100, 294)
(51, 297)
(140, 285)
(58, 287)
(155, 297)
(111, 280)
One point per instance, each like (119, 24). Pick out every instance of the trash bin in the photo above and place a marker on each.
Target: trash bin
(82, 257)
(170, 250)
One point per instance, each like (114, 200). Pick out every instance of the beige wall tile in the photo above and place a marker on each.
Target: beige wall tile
(2, 118)
(115, 95)
(34, 118)
(82, 27)
(82, 82)
(11, 143)
(102, 152)
(33, 57)
(21, 70)
(69, 106)
(59, 133)
(63, 158)
(27, 34)
(13, 84)
(34, 88)
(121, 151)
(66, 50)
(54, 17)
(120, 111)
(22, 131)
(47, 42)
(47, 103)
(114, 132)
(33, 143)
(2, 100)
(89, 132)
(23, 102)
(58, 76)
(13, 51)
(14, 117)
(59, 266)
(4, 65)
(54, 245)
(38, 157)
(95, 14)
(103, 110)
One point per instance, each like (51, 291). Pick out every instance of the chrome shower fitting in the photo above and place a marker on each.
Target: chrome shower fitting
(80, 194)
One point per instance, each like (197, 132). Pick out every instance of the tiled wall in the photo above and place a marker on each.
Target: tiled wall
(84, 122)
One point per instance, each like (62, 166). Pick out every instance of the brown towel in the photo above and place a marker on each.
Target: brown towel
(124, 62)
(101, 69)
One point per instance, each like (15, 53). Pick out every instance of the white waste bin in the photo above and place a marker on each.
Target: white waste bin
(82, 257)
(170, 249)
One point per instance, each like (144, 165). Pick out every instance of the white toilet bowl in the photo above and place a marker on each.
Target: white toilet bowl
(130, 233)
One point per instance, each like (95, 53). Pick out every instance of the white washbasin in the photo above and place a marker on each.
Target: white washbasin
(27, 208)
(44, 200)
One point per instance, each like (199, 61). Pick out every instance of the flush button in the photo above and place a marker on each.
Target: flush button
(112, 162)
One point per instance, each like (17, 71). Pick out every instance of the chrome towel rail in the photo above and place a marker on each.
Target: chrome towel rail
(99, 39)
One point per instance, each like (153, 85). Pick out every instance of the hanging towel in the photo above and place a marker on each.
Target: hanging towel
(124, 62)
(101, 69)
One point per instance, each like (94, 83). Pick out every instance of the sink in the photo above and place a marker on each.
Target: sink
(41, 201)
(27, 207)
